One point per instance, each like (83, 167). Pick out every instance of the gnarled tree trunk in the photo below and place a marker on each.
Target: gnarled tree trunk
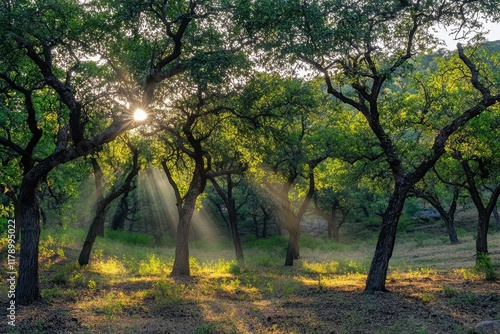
(186, 208)
(28, 287)
(386, 240)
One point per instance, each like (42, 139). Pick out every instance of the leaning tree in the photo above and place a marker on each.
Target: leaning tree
(360, 48)
(71, 74)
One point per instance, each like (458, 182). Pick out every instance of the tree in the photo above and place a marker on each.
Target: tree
(359, 48)
(287, 114)
(228, 198)
(118, 189)
(332, 195)
(473, 149)
(190, 125)
(68, 61)
(435, 192)
(33, 78)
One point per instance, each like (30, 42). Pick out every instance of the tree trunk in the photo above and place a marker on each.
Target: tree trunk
(102, 204)
(255, 226)
(483, 223)
(294, 227)
(181, 262)
(387, 238)
(28, 287)
(234, 230)
(118, 221)
(292, 250)
(265, 219)
(232, 212)
(44, 217)
(330, 227)
(92, 235)
(196, 187)
(447, 216)
(335, 232)
(450, 228)
(99, 180)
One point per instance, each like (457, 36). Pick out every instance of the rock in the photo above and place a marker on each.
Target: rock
(490, 327)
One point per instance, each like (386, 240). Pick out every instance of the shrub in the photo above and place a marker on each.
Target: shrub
(485, 266)
(207, 328)
(152, 267)
(166, 292)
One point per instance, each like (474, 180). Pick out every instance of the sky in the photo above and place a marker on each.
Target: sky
(451, 43)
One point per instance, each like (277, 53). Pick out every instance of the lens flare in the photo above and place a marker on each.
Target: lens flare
(140, 115)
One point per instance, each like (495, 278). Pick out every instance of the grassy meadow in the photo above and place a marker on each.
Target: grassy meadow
(435, 287)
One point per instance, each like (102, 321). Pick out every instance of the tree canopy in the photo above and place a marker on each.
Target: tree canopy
(289, 109)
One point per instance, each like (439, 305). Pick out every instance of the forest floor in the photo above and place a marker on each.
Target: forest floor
(434, 288)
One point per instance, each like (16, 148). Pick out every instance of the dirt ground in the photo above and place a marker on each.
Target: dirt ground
(420, 303)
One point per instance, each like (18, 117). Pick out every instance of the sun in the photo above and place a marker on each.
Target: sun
(140, 115)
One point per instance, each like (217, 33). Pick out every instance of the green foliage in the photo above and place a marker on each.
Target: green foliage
(130, 238)
(208, 328)
(205, 98)
(211, 245)
(449, 291)
(326, 245)
(275, 242)
(421, 238)
(166, 292)
(153, 266)
(113, 304)
(485, 266)
(60, 278)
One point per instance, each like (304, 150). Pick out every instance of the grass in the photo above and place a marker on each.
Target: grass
(128, 275)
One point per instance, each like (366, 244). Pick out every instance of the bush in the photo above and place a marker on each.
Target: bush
(207, 328)
(154, 266)
(166, 292)
(372, 222)
(485, 266)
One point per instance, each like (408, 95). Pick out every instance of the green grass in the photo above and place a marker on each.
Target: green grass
(270, 243)
(125, 275)
(140, 239)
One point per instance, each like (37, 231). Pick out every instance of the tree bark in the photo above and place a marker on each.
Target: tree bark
(196, 187)
(292, 250)
(28, 287)
(484, 211)
(234, 231)
(294, 220)
(99, 180)
(92, 234)
(449, 223)
(483, 223)
(118, 221)
(265, 219)
(386, 240)
(331, 225)
(449, 218)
